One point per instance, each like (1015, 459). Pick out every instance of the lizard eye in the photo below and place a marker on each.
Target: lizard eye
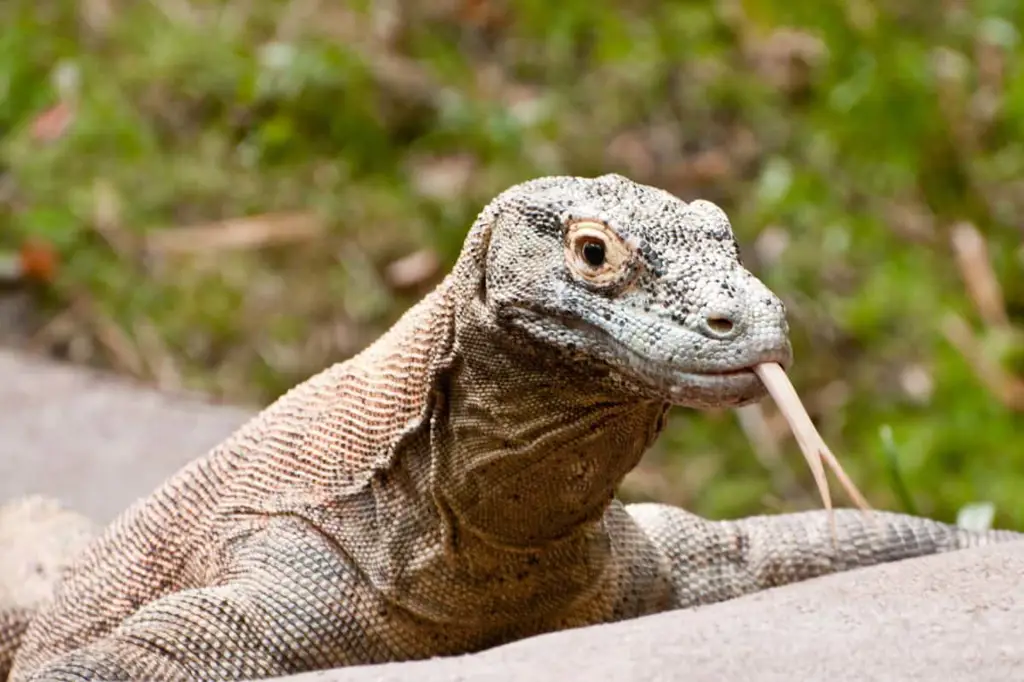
(595, 253)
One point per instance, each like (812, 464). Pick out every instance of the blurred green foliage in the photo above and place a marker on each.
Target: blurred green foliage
(846, 140)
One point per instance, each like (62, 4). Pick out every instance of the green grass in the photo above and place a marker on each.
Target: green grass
(854, 134)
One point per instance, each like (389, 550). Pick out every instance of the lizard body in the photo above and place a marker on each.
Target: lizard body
(451, 487)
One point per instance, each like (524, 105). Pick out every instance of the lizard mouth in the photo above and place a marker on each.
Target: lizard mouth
(699, 387)
(709, 389)
(731, 388)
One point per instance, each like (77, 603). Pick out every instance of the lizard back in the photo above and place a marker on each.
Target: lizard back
(321, 441)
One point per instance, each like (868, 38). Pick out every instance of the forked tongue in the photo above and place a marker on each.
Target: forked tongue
(807, 437)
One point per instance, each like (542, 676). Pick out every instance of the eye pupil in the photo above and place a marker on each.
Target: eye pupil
(593, 253)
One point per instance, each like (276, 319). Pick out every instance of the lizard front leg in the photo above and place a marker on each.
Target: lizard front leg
(289, 602)
(713, 561)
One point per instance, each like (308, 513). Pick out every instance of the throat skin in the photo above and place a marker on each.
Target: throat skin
(489, 515)
(528, 452)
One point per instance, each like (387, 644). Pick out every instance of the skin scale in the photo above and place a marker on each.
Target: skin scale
(451, 488)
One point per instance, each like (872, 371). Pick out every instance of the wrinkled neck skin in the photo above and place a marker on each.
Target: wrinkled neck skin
(489, 513)
(527, 449)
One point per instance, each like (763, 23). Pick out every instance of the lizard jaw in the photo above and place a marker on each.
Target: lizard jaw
(713, 390)
(702, 388)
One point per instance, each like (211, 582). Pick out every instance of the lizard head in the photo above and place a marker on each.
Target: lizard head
(631, 284)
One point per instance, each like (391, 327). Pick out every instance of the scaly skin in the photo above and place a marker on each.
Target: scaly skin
(451, 487)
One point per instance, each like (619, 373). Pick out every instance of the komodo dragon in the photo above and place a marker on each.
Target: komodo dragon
(451, 487)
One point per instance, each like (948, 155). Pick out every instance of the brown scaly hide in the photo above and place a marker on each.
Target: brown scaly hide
(319, 442)
(335, 486)
(450, 488)
(329, 439)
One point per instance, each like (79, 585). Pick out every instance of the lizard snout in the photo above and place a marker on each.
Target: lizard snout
(750, 320)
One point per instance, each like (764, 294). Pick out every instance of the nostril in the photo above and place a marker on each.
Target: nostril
(720, 325)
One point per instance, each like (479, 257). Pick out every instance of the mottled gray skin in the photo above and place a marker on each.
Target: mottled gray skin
(451, 487)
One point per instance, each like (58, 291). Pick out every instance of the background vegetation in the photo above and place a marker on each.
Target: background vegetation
(241, 192)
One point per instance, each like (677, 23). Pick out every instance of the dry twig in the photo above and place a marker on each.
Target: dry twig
(237, 234)
(1006, 387)
(983, 287)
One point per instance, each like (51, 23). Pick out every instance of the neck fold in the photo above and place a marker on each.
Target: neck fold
(528, 452)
